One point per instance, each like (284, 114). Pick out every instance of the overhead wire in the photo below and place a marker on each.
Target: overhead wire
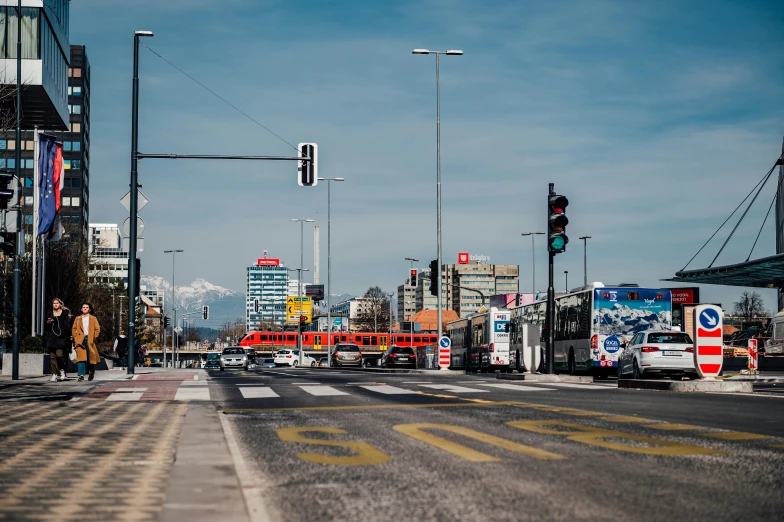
(224, 100)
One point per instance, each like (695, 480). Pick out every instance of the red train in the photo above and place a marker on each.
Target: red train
(367, 341)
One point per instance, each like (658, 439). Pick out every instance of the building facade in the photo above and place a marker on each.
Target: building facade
(406, 301)
(268, 282)
(108, 262)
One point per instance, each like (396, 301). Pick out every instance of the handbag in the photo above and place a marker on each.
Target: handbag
(73, 355)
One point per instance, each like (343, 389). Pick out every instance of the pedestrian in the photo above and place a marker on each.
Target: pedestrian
(121, 348)
(57, 338)
(85, 333)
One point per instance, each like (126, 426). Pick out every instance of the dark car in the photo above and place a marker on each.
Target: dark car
(212, 360)
(402, 356)
(323, 362)
(251, 353)
(347, 355)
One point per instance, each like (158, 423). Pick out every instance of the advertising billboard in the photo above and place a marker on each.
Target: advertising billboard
(267, 261)
(315, 291)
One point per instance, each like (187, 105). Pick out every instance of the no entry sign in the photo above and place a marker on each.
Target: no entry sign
(708, 340)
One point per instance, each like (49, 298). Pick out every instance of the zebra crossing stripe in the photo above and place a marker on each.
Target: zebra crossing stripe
(257, 392)
(192, 394)
(321, 391)
(451, 388)
(517, 387)
(388, 390)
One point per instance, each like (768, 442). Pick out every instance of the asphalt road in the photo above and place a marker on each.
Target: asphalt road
(352, 446)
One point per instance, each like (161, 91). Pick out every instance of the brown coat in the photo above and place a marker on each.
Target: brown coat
(79, 339)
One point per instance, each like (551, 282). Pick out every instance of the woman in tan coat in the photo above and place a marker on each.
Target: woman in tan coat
(85, 332)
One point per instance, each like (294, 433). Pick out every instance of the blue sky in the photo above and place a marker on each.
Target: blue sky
(654, 119)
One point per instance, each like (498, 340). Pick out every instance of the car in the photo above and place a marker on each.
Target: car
(346, 355)
(658, 352)
(234, 357)
(323, 362)
(292, 358)
(211, 360)
(398, 356)
(268, 362)
(251, 353)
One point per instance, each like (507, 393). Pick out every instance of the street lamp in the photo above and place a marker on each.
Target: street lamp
(566, 280)
(174, 309)
(452, 52)
(533, 260)
(299, 320)
(585, 259)
(329, 265)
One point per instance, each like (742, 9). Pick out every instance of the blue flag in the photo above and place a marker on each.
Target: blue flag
(47, 206)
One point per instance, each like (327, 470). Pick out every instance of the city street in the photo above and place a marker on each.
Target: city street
(323, 444)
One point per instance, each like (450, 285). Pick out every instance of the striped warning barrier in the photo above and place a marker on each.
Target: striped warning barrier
(708, 349)
(753, 355)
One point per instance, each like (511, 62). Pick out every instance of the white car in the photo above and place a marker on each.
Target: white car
(658, 352)
(291, 358)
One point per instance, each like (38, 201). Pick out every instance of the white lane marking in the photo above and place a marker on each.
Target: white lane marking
(516, 387)
(134, 389)
(194, 383)
(301, 383)
(416, 382)
(586, 386)
(192, 394)
(321, 391)
(125, 396)
(451, 388)
(195, 377)
(257, 393)
(752, 394)
(388, 390)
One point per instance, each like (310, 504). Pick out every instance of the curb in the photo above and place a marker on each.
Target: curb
(544, 377)
(392, 371)
(687, 386)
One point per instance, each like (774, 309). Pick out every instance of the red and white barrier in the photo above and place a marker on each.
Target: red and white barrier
(753, 366)
(707, 335)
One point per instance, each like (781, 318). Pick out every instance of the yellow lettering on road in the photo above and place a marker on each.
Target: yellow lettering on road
(597, 436)
(417, 431)
(366, 454)
(734, 435)
(626, 418)
(667, 426)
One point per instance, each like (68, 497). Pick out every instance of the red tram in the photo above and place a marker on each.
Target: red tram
(367, 341)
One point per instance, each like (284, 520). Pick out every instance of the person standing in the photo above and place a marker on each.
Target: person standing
(121, 348)
(85, 333)
(57, 338)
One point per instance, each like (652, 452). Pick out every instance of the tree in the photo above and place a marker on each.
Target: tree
(374, 311)
(749, 306)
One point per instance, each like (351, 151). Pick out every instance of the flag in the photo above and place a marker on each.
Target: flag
(56, 230)
(47, 207)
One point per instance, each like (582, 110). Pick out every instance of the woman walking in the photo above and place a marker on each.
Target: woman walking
(85, 333)
(57, 338)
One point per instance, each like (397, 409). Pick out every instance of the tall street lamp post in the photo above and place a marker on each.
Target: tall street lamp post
(299, 320)
(533, 260)
(585, 259)
(453, 52)
(329, 266)
(174, 310)
(301, 269)
(566, 280)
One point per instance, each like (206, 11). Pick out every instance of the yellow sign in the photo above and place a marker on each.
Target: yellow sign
(297, 306)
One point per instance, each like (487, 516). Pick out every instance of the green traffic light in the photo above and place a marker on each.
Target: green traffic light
(557, 243)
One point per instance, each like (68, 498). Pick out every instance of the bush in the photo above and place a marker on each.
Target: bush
(32, 344)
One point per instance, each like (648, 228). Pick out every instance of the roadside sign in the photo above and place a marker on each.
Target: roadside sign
(753, 355)
(297, 306)
(708, 340)
(444, 352)
(178, 330)
(141, 201)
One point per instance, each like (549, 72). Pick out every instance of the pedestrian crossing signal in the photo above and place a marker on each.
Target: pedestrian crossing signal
(205, 312)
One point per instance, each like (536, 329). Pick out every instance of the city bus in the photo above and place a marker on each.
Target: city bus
(487, 332)
(594, 323)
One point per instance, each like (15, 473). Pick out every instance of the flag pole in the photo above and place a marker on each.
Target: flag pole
(36, 174)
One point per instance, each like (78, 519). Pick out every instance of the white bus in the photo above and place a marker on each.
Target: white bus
(488, 332)
(593, 324)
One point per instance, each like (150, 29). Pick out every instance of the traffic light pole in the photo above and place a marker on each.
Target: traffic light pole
(550, 304)
(17, 167)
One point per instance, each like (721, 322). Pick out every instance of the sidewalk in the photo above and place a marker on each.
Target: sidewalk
(142, 461)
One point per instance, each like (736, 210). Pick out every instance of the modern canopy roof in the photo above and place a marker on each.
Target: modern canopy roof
(767, 272)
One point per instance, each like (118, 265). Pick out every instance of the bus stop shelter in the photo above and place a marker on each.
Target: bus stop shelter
(767, 272)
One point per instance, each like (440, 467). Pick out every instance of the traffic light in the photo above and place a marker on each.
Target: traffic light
(413, 279)
(166, 321)
(556, 223)
(205, 312)
(434, 273)
(307, 171)
(8, 243)
(256, 306)
(6, 194)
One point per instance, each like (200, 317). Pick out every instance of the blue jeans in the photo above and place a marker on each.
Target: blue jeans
(83, 367)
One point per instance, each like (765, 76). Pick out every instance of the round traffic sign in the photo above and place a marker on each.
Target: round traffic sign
(709, 318)
(445, 342)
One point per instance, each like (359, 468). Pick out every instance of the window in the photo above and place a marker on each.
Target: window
(28, 220)
(75, 201)
(66, 201)
(76, 164)
(28, 182)
(76, 127)
(31, 32)
(28, 200)
(11, 144)
(3, 144)
(76, 145)
(75, 90)
(10, 162)
(66, 146)
(28, 163)
(66, 164)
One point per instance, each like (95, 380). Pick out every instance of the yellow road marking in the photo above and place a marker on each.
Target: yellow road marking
(735, 435)
(366, 454)
(596, 437)
(464, 404)
(416, 431)
(626, 418)
(777, 446)
(668, 426)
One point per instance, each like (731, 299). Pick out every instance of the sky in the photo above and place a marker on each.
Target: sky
(655, 119)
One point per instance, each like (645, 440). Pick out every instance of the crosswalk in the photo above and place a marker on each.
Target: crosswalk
(194, 390)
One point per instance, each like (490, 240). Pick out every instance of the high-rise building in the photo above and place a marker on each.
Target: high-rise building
(75, 195)
(406, 302)
(108, 262)
(268, 282)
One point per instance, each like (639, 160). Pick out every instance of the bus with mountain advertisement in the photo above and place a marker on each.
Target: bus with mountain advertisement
(594, 323)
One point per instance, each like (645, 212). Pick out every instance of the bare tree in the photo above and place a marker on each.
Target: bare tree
(374, 313)
(749, 306)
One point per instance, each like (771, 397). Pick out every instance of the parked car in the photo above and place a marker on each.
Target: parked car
(403, 356)
(346, 355)
(233, 357)
(292, 358)
(657, 352)
(268, 362)
(323, 362)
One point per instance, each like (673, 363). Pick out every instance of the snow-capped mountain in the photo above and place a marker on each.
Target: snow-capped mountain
(621, 319)
(193, 296)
